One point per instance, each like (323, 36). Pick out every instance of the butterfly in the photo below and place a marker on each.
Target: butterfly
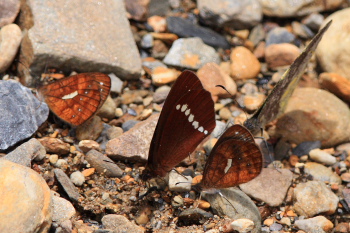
(235, 159)
(187, 118)
(75, 99)
(276, 102)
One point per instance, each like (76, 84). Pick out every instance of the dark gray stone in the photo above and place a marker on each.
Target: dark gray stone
(305, 147)
(279, 35)
(103, 164)
(185, 28)
(67, 184)
(21, 113)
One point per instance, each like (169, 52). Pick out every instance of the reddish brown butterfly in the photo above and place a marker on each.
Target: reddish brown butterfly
(75, 99)
(235, 159)
(186, 119)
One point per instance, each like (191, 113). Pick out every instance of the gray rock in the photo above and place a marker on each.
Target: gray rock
(313, 21)
(273, 185)
(321, 173)
(314, 197)
(103, 164)
(67, 184)
(179, 183)
(26, 152)
(62, 209)
(318, 224)
(235, 204)
(8, 11)
(234, 14)
(126, 126)
(21, 113)
(219, 129)
(59, 36)
(257, 34)
(304, 148)
(322, 157)
(185, 28)
(117, 84)
(190, 53)
(279, 35)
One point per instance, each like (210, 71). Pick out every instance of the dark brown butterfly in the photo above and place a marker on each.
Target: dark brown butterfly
(75, 99)
(186, 119)
(235, 159)
(276, 102)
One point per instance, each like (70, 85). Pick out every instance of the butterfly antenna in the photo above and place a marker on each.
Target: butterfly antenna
(227, 200)
(240, 106)
(179, 174)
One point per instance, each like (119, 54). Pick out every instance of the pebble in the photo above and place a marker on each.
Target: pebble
(211, 75)
(313, 21)
(67, 185)
(253, 101)
(179, 183)
(194, 216)
(321, 156)
(315, 224)
(90, 130)
(61, 163)
(304, 148)
(119, 112)
(119, 224)
(225, 113)
(257, 34)
(268, 221)
(301, 30)
(345, 177)
(177, 201)
(284, 54)
(114, 132)
(285, 221)
(244, 65)
(86, 145)
(323, 117)
(185, 28)
(237, 15)
(126, 126)
(322, 173)
(242, 225)
(24, 153)
(62, 209)
(88, 172)
(23, 189)
(314, 197)
(333, 41)
(336, 84)
(53, 159)
(116, 83)
(276, 227)
(279, 35)
(103, 164)
(10, 39)
(163, 75)
(158, 23)
(77, 178)
(273, 185)
(55, 145)
(190, 53)
(25, 113)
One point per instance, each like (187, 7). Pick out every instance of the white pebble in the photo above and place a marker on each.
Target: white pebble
(183, 186)
(77, 178)
(322, 157)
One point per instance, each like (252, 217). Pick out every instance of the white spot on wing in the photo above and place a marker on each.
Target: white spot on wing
(201, 129)
(195, 124)
(184, 107)
(205, 132)
(190, 118)
(70, 96)
(187, 112)
(178, 107)
(229, 164)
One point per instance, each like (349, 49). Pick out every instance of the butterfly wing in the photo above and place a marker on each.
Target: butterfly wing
(186, 119)
(276, 102)
(235, 159)
(76, 98)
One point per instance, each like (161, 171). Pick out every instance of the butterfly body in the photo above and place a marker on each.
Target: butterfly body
(75, 99)
(186, 119)
(235, 159)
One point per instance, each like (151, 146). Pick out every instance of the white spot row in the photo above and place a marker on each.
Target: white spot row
(184, 108)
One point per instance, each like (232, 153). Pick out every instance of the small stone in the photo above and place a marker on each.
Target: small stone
(114, 132)
(320, 172)
(243, 225)
(194, 216)
(88, 172)
(279, 35)
(158, 23)
(345, 177)
(119, 112)
(10, 39)
(269, 221)
(285, 221)
(86, 145)
(61, 163)
(225, 113)
(103, 164)
(55, 145)
(90, 130)
(53, 159)
(163, 75)
(293, 160)
(315, 224)
(322, 157)
(67, 185)
(177, 201)
(111, 221)
(77, 178)
(62, 209)
(244, 65)
(190, 53)
(204, 205)
(276, 227)
(313, 21)
(179, 183)
(284, 54)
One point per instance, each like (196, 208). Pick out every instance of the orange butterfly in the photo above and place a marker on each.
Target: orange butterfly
(75, 99)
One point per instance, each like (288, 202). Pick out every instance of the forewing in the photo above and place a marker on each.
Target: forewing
(276, 102)
(186, 119)
(234, 160)
(76, 98)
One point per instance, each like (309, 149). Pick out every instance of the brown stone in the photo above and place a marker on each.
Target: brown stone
(55, 145)
(281, 55)
(337, 84)
(244, 64)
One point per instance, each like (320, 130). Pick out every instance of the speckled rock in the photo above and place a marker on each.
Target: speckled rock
(332, 52)
(313, 114)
